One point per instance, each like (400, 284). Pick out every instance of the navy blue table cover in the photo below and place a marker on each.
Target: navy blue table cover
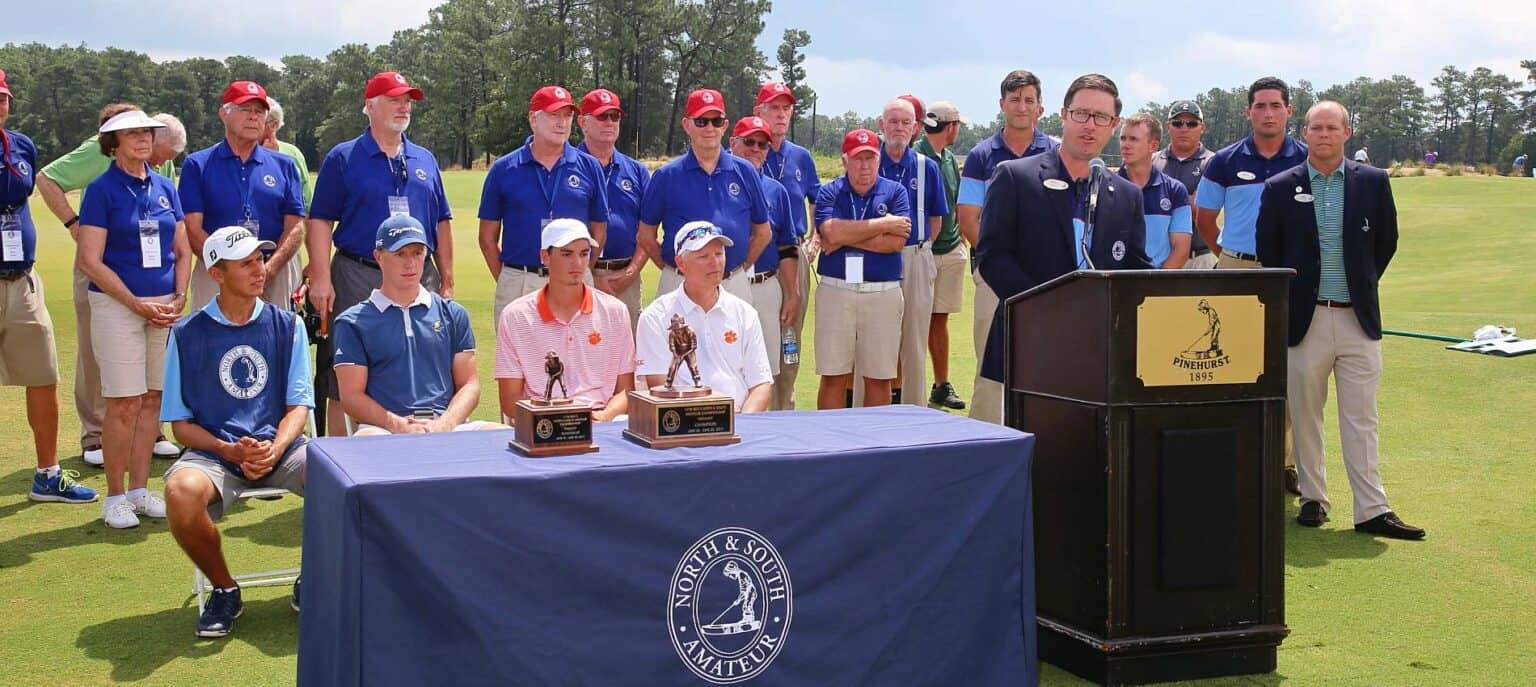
(904, 533)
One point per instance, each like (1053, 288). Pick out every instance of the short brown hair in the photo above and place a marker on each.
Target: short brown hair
(1017, 79)
(107, 142)
(1093, 82)
(1154, 127)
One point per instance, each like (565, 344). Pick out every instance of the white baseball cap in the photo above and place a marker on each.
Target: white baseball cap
(696, 235)
(232, 243)
(560, 232)
(132, 119)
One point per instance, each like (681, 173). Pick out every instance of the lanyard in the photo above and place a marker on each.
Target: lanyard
(142, 203)
(400, 178)
(853, 205)
(779, 175)
(5, 150)
(548, 184)
(901, 164)
(244, 176)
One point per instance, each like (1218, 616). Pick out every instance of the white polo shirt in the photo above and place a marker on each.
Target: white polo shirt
(730, 354)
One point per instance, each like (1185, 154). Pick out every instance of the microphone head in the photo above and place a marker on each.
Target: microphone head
(1096, 164)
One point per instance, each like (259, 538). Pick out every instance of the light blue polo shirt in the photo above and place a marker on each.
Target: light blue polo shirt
(731, 198)
(116, 201)
(356, 181)
(984, 158)
(1234, 182)
(1165, 205)
(838, 201)
(625, 182)
(904, 173)
(227, 191)
(780, 209)
(793, 166)
(523, 196)
(408, 352)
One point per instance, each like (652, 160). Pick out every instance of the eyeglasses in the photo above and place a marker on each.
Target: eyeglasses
(1185, 123)
(1099, 118)
(701, 122)
(761, 143)
(609, 116)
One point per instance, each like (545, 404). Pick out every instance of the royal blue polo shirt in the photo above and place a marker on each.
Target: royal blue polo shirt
(408, 352)
(780, 209)
(838, 201)
(731, 198)
(984, 159)
(263, 188)
(524, 196)
(625, 184)
(904, 173)
(355, 183)
(1233, 183)
(116, 201)
(19, 176)
(1165, 205)
(792, 166)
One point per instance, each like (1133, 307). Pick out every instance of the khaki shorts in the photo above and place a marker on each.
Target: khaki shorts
(630, 297)
(857, 330)
(768, 299)
(949, 285)
(1203, 261)
(287, 474)
(27, 353)
(129, 350)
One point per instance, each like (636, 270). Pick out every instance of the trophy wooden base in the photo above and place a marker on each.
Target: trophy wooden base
(708, 419)
(543, 428)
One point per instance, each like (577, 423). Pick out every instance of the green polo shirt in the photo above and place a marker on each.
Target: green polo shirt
(307, 183)
(949, 232)
(77, 168)
(1328, 204)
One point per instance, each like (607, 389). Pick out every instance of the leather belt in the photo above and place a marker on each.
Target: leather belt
(862, 287)
(613, 265)
(541, 270)
(761, 277)
(361, 261)
(13, 275)
(1334, 304)
(1240, 255)
(1200, 252)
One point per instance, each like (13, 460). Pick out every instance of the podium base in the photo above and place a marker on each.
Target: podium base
(1161, 658)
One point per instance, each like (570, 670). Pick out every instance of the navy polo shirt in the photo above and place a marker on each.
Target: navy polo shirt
(625, 184)
(524, 196)
(1165, 206)
(904, 173)
(15, 189)
(838, 201)
(1234, 181)
(984, 159)
(226, 190)
(116, 201)
(731, 198)
(780, 209)
(408, 352)
(355, 183)
(792, 166)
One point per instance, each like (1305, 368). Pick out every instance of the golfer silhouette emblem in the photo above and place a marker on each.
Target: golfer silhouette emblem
(730, 606)
(1208, 345)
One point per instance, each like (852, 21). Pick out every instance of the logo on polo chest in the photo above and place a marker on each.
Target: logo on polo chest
(243, 372)
(626, 184)
(573, 181)
(730, 606)
(421, 174)
(269, 180)
(734, 188)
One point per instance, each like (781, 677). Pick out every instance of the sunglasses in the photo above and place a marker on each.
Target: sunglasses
(701, 122)
(609, 116)
(761, 143)
(1184, 123)
(699, 232)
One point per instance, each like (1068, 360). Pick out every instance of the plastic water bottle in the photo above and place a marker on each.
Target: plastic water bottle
(790, 347)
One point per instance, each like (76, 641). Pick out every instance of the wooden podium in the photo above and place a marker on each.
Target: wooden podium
(1157, 401)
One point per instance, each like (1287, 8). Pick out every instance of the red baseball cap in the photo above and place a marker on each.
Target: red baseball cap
(774, 89)
(390, 84)
(550, 99)
(751, 125)
(241, 92)
(860, 140)
(4, 87)
(917, 109)
(705, 100)
(600, 100)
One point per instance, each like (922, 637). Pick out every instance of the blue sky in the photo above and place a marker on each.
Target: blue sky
(863, 53)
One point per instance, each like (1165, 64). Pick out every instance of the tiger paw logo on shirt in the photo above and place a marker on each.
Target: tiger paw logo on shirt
(730, 336)
(594, 338)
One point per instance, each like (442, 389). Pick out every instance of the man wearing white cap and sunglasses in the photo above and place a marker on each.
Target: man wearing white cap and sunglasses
(731, 356)
(237, 395)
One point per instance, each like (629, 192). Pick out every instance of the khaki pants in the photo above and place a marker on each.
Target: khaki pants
(630, 297)
(1336, 345)
(511, 285)
(277, 292)
(1227, 262)
(736, 284)
(768, 298)
(987, 397)
(918, 271)
(784, 381)
(90, 406)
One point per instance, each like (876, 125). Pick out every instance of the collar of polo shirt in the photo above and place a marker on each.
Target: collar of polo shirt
(548, 315)
(382, 302)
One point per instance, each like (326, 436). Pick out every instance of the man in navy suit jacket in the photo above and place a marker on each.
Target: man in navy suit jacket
(1032, 218)
(1334, 222)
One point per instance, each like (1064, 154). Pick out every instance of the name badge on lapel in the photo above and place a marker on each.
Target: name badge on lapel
(1055, 184)
(1303, 197)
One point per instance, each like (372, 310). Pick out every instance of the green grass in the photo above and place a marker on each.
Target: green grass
(82, 605)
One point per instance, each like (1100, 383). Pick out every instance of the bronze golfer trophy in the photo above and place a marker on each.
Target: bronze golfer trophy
(671, 415)
(552, 426)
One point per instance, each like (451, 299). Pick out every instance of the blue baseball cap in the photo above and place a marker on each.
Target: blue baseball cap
(399, 231)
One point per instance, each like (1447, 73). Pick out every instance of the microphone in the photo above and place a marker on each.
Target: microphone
(1096, 172)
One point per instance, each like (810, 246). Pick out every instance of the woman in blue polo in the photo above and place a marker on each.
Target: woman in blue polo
(133, 248)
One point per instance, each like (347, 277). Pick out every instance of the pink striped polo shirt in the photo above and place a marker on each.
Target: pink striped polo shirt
(596, 346)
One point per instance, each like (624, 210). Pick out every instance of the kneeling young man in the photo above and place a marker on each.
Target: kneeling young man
(237, 395)
(586, 328)
(404, 357)
(729, 339)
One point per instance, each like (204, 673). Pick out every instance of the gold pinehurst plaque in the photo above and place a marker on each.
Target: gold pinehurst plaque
(1199, 340)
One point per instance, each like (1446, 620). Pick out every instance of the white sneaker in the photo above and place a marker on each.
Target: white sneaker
(119, 515)
(150, 505)
(94, 457)
(165, 449)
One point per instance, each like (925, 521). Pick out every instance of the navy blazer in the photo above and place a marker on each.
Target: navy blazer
(1027, 237)
(1287, 237)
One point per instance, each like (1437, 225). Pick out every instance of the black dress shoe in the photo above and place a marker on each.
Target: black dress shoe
(1292, 482)
(1312, 515)
(1389, 525)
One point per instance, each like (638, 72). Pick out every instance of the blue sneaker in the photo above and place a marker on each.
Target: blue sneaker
(218, 618)
(61, 488)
